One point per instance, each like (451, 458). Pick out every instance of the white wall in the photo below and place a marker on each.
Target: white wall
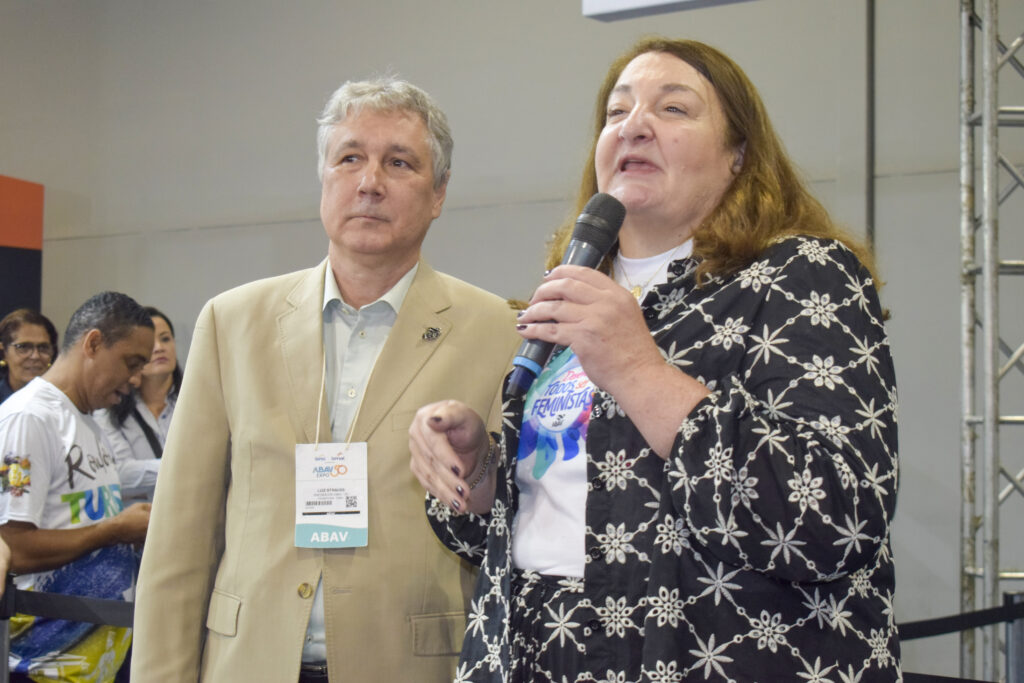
(176, 144)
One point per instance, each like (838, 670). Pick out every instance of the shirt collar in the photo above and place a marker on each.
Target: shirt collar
(393, 297)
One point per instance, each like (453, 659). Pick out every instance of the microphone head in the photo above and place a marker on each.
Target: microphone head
(600, 221)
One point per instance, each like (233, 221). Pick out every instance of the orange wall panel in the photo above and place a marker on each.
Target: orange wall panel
(21, 213)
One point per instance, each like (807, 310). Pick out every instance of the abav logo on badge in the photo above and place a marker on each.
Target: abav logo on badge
(325, 471)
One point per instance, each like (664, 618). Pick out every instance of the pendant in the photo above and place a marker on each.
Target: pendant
(637, 290)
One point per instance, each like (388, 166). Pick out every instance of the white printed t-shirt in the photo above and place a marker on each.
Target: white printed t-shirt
(549, 528)
(58, 472)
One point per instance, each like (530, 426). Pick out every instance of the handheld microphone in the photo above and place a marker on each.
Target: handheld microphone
(596, 230)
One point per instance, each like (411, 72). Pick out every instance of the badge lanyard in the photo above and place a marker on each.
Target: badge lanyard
(331, 491)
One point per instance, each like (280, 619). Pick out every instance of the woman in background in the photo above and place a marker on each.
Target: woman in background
(28, 345)
(137, 426)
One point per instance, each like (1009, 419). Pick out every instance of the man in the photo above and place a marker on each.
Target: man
(344, 353)
(60, 506)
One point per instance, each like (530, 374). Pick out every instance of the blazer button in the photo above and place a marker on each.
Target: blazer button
(305, 591)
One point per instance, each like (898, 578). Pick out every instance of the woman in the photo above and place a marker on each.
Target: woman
(729, 391)
(137, 426)
(28, 345)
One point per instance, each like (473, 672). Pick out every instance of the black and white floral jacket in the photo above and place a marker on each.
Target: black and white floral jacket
(760, 550)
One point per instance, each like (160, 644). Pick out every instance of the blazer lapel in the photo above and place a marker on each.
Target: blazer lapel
(419, 330)
(300, 333)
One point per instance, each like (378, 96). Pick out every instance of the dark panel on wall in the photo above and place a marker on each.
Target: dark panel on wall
(21, 243)
(20, 276)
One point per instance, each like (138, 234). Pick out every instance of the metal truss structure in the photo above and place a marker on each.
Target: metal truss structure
(987, 477)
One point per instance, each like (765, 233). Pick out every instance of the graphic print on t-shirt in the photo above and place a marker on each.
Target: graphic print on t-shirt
(15, 474)
(557, 413)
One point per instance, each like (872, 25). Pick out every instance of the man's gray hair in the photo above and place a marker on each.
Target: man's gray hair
(388, 94)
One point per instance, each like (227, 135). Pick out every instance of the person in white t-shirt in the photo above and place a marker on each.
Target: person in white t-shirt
(61, 511)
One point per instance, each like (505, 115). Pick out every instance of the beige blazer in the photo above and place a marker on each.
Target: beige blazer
(224, 595)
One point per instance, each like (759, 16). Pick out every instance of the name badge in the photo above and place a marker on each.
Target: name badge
(331, 495)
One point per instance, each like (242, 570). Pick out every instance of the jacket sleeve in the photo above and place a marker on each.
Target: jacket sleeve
(186, 529)
(466, 535)
(789, 466)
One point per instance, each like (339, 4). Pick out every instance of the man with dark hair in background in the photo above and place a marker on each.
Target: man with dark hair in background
(60, 499)
(257, 567)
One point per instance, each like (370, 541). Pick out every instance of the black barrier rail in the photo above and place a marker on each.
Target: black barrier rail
(928, 678)
(120, 613)
(960, 622)
(70, 607)
(74, 608)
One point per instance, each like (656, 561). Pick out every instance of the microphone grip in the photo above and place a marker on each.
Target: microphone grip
(580, 253)
(533, 354)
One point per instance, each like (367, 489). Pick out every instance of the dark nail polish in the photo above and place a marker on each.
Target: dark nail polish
(460, 491)
(520, 314)
(455, 471)
(520, 327)
(456, 505)
(436, 418)
(547, 272)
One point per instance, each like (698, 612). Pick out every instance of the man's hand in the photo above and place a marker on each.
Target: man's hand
(130, 524)
(35, 550)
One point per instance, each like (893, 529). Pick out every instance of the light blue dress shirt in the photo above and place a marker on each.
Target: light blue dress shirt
(353, 340)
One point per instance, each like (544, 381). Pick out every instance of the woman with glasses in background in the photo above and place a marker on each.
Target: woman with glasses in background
(28, 345)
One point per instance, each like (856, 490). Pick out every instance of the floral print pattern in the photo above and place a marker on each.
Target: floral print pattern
(759, 551)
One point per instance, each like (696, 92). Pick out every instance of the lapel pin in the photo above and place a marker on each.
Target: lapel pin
(431, 334)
